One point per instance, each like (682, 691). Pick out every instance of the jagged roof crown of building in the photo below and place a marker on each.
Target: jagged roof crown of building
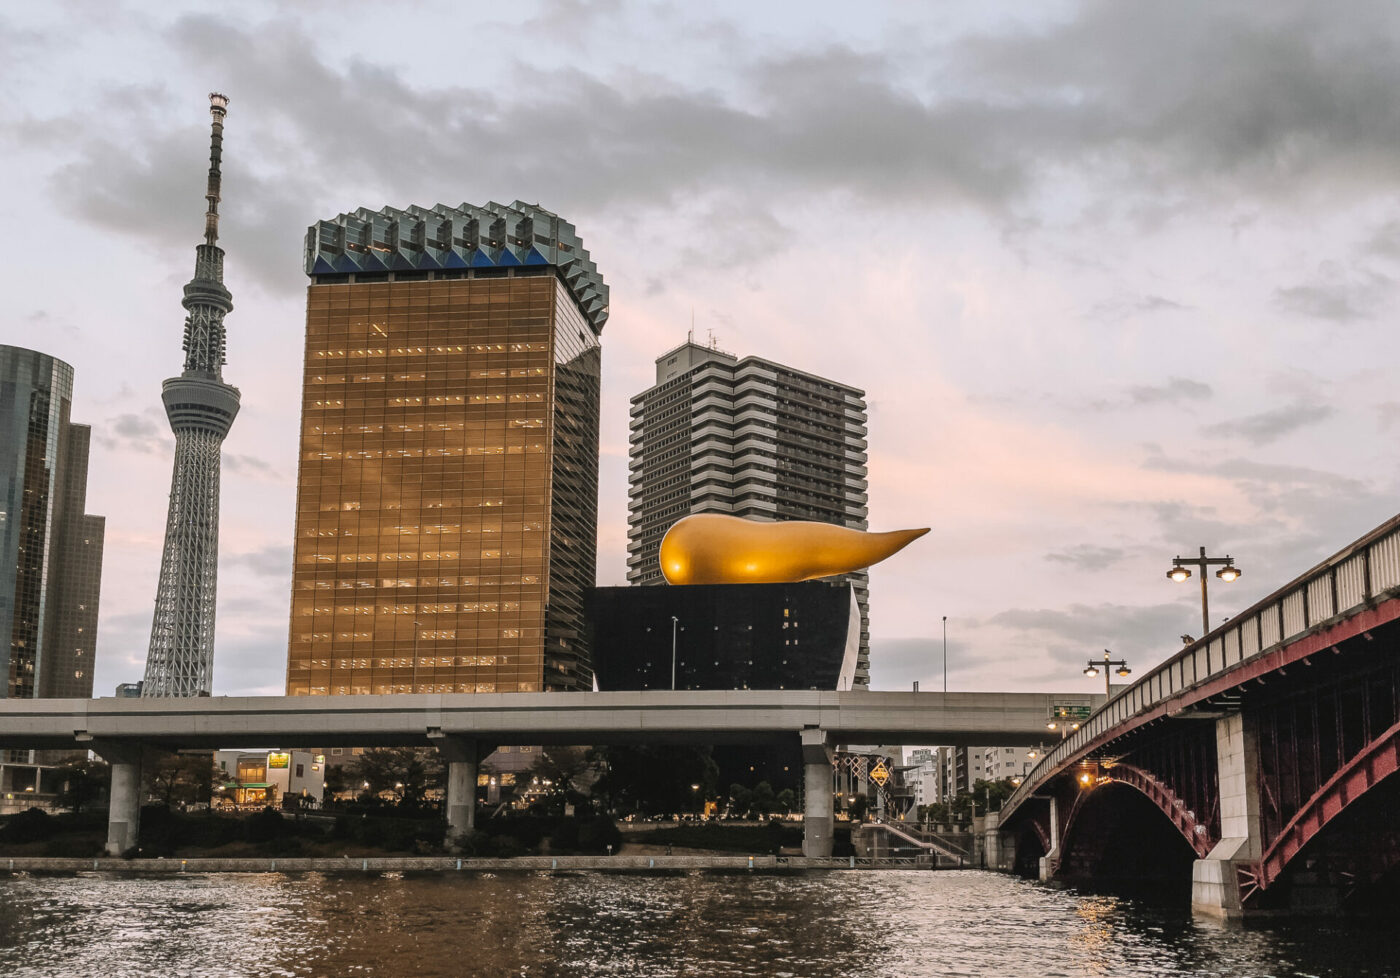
(443, 237)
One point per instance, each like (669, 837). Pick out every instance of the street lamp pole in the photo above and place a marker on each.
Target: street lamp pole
(417, 626)
(675, 622)
(1228, 572)
(945, 653)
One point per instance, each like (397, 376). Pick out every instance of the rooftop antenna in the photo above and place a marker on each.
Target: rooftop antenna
(714, 344)
(690, 337)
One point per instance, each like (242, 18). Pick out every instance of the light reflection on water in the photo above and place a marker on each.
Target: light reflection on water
(822, 925)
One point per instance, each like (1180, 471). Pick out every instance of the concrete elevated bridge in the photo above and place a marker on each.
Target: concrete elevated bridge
(1257, 762)
(467, 727)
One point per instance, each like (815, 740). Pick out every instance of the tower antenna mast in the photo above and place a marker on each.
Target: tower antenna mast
(201, 409)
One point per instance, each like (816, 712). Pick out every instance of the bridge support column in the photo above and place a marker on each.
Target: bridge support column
(991, 842)
(124, 806)
(818, 815)
(999, 848)
(463, 759)
(1050, 862)
(1215, 889)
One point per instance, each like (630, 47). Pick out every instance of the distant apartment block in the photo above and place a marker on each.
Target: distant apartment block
(750, 438)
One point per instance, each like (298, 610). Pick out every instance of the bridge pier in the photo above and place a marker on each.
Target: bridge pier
(818, 814)
(463, 758)
(124, 805)
(1215, 888)
(998, 847)
(1050, 862)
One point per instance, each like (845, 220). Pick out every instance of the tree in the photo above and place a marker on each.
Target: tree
(740, 799)
(562, 773)
(82, 782)
(656, 779)
(937, 812)
(337, 780)
(182, 779)
(408, 773)
(762, 801)
(787, 800)
(990, 795)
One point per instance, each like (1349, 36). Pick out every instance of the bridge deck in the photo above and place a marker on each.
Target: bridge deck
(737, 716)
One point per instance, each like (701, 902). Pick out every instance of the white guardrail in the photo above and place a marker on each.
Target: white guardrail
(1337, 588)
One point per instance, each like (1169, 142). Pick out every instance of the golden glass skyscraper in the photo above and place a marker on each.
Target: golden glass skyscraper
(447, 494)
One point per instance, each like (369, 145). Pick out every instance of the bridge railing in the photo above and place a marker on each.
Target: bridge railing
(1335, 589)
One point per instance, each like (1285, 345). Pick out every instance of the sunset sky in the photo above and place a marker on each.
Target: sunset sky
(1116, 278)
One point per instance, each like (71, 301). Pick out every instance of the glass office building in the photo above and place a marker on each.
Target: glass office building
(50, 549)
(447, 495)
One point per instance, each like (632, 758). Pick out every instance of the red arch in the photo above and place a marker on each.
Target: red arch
(1379, 760)
(1042, 833)
(1192, 829)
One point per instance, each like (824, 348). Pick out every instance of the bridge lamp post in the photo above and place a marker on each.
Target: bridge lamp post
(1108, 664)
(1181, 572)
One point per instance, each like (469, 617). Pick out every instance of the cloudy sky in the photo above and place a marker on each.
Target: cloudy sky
(1119, 279)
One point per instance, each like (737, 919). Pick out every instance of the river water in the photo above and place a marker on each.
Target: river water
(535, 925)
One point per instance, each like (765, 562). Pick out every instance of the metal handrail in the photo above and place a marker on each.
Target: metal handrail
(1345, 583)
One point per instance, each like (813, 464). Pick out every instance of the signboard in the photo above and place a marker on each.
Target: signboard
(279, 760)
(1061, 711)
(879, 773)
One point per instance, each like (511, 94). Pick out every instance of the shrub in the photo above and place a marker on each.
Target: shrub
(31, 825)
(264, 826)
(597, 833)
(159, 831)
(506, 847)
(371, 832)
(73, 847)
(473, 843)
(564, 838)
(400, 835)
(284, 845)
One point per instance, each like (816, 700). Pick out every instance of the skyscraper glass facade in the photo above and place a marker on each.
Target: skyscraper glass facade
(50, 550)
(447, 497)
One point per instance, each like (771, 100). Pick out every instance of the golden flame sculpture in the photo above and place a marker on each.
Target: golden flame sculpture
(710, 548)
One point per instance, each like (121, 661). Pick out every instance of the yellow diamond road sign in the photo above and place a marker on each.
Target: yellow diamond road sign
(879, 773)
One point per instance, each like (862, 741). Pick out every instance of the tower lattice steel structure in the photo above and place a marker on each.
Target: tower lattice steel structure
(201, 408)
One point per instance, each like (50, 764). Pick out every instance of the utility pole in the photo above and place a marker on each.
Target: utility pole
(675, 622)
(945, 653)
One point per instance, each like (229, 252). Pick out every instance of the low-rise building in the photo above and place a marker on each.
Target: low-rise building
(271, 778)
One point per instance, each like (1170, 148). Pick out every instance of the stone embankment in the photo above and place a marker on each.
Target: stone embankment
(444, 864)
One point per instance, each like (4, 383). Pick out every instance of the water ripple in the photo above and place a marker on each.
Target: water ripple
(822, 925)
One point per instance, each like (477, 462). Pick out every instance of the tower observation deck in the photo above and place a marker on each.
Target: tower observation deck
(201, 409)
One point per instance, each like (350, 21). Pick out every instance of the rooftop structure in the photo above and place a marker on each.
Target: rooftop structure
(445, 238)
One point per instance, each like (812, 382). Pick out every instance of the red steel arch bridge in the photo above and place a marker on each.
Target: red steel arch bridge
(1258, 762)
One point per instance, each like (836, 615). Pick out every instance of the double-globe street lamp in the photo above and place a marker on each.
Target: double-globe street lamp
(1108, 666)
(1181, 572)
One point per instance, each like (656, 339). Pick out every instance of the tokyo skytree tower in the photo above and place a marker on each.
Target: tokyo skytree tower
(201, 409)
